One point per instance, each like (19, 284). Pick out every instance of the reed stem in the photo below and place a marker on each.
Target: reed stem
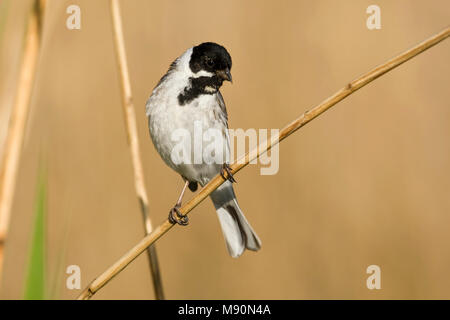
(18, 120)
(133, 142)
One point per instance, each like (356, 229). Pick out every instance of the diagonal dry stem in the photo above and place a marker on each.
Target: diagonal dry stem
(133, 141)
(351, 87)
(18, 120)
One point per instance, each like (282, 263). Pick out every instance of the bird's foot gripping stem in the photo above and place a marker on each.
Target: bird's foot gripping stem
(175, 216)
(226, 173)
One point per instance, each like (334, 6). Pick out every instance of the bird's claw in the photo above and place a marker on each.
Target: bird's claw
(175, 216)
(229, 176)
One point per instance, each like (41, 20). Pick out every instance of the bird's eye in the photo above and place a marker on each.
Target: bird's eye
(209, 62)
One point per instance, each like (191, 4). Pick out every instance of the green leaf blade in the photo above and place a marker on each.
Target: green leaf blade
(35, 283)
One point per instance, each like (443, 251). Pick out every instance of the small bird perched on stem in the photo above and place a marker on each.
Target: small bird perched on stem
(187, 101)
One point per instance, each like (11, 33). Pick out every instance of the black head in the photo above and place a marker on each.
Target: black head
(213, 58)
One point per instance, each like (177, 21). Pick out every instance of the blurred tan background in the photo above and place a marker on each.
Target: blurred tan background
(366, 183)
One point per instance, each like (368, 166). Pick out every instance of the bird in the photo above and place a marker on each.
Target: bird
(188, 98)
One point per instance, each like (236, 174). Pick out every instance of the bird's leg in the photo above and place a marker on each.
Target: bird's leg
(226, 169)
(175, 215)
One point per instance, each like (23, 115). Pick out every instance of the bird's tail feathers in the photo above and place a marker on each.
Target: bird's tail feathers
(237, 232)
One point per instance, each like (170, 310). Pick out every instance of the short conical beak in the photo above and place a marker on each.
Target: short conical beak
(225, 75)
